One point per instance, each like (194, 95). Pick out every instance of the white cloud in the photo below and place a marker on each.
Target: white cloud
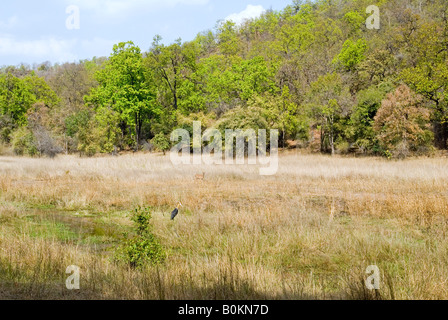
(42, 49)
(53, 49)
(9, 24)
(98, 47)
(248, 13)
(116, 7)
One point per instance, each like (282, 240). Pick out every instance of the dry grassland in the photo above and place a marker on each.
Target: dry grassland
(309, 232)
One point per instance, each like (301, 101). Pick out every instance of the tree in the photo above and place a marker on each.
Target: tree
(428, 75)
(328, 99)
(352, 54)
(360, 128)
(173, 65)
(228, 40)
(402, 123)
(282, 114)
(71, 82)
(41, 91)
(15, 98)
(126, 87)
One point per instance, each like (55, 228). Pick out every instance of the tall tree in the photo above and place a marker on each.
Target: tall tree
(428, 75)
(329, 99)
(126, 87)
(402, 123)
(172, 65)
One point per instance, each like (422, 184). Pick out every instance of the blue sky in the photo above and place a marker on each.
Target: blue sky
(36, 31)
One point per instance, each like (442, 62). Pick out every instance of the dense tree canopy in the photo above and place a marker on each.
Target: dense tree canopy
(313, 70)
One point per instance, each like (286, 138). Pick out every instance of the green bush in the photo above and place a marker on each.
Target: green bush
(91, 150)
(144, 247)
(23, 142)
(161, 142)
(342, 146)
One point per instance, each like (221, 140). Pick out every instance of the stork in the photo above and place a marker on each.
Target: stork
(176, 211)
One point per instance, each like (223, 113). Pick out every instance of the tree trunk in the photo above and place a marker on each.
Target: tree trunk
(283, 139)
(321, 139)
(332, 145)
(441, 134)
(331, 138)
(137, 133)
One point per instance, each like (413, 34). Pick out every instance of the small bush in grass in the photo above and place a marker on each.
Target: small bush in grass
(144, 247)
(342, 147)
(44, 143)
(5, 150)
(161, 143)
(23, 142)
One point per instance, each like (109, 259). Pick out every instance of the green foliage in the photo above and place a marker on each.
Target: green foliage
(125, 90)
(23, 142)
(99, 133)
(41, 91)
(360, 129)
(15, 98)
(310, 69)
(342, 146)
(251, 117)
(283, 114)
(355, 20)
(76, 123)
(296, 33)
(143, 248)
(106, 129)
(228, 40)
(6, 127)
(142, 217)
(352, 53)
(175, 74)
(161, 142)
(236, 83)
(329, 101)
(251, 77)
(141, 251)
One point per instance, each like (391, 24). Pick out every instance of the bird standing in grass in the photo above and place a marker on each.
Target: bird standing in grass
(176, 211)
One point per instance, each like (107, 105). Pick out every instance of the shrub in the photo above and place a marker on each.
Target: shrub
(44, 143)
(342, 147)
(161, 142)
(23, 142)
(4, 150)
(144, 247)
(147, 146)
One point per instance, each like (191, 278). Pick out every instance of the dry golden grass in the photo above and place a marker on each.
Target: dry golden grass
(308, 232)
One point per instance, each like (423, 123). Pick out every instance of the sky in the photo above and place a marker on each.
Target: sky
(71, 30)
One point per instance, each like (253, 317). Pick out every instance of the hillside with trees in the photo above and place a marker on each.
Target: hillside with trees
(313, 70)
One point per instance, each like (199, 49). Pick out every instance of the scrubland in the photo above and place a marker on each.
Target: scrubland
(308, 232)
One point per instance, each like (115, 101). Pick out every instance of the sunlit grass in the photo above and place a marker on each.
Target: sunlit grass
(308, 232)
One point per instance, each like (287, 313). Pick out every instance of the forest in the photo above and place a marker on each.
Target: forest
(313, 70)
